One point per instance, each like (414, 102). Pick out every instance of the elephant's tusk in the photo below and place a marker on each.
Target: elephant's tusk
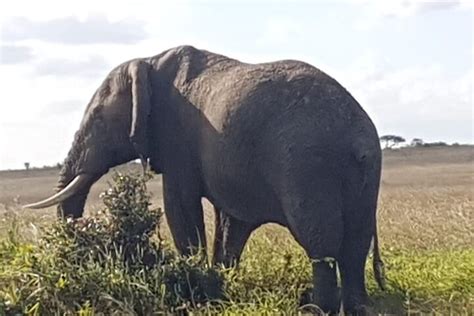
(72, 188)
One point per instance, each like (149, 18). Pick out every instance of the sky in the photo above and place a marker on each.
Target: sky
(407, 62)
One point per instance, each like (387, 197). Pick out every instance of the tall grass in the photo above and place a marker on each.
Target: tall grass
(425, 219)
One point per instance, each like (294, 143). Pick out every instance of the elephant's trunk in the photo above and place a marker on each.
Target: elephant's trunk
(75, 166)
(90, 135)
(81, 168)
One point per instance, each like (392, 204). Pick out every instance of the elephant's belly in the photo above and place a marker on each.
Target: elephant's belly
(233, 172)
(249, 200)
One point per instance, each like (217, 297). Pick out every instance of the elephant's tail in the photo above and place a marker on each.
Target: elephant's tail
(378, 265)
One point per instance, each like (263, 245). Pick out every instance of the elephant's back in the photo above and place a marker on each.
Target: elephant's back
(285, 99)
(277, 121)
(258, 110)
(231, 89)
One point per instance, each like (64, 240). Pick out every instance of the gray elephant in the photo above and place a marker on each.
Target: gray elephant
(275, 142)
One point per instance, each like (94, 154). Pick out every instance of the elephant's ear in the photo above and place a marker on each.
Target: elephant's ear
(141, 106)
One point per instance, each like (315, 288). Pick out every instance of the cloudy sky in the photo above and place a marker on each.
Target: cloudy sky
(409, 63)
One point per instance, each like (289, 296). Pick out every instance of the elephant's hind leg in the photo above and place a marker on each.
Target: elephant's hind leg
(230, 237)
(360, 219)
(315, 219)
(352, 265)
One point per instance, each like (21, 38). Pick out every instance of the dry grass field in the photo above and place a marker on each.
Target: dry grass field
(426, 220)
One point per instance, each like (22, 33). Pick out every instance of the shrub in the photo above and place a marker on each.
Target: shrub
(112, 263)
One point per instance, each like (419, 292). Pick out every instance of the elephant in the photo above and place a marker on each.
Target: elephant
(278, 142)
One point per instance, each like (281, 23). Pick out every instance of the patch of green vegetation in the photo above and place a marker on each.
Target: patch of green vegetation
(440, 281)
(273, 277)
(112, 263)
(116, 263)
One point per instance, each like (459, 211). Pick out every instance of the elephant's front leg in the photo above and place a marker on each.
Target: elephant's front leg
(183, 210)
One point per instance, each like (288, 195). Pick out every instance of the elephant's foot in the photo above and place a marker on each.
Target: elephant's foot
(328, 301)
(325, 297)
(360, 310)
(317, 304)
(357, 304)
(324, 305)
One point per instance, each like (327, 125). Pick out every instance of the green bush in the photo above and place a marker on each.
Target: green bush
(112, 263)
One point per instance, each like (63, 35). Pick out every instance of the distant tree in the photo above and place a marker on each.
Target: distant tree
(391, 140)
(435, 144)
(416, 142)
(27, 165)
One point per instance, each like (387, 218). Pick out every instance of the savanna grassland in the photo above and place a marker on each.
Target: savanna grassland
(425, 220)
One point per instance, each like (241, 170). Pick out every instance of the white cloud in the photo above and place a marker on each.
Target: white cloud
(15, 54)
(92, 66)
(114, 9)
(405, 8)
(418, 101)
(63, 107)
(71, 30)
(279, 30)
(377, 10)
(32, 123)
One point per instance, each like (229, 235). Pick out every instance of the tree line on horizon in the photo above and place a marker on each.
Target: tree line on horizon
(391, 141)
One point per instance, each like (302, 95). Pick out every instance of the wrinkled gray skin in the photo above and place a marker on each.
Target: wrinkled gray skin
(277, 142)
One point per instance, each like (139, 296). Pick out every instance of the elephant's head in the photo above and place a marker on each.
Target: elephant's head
(113, 131)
